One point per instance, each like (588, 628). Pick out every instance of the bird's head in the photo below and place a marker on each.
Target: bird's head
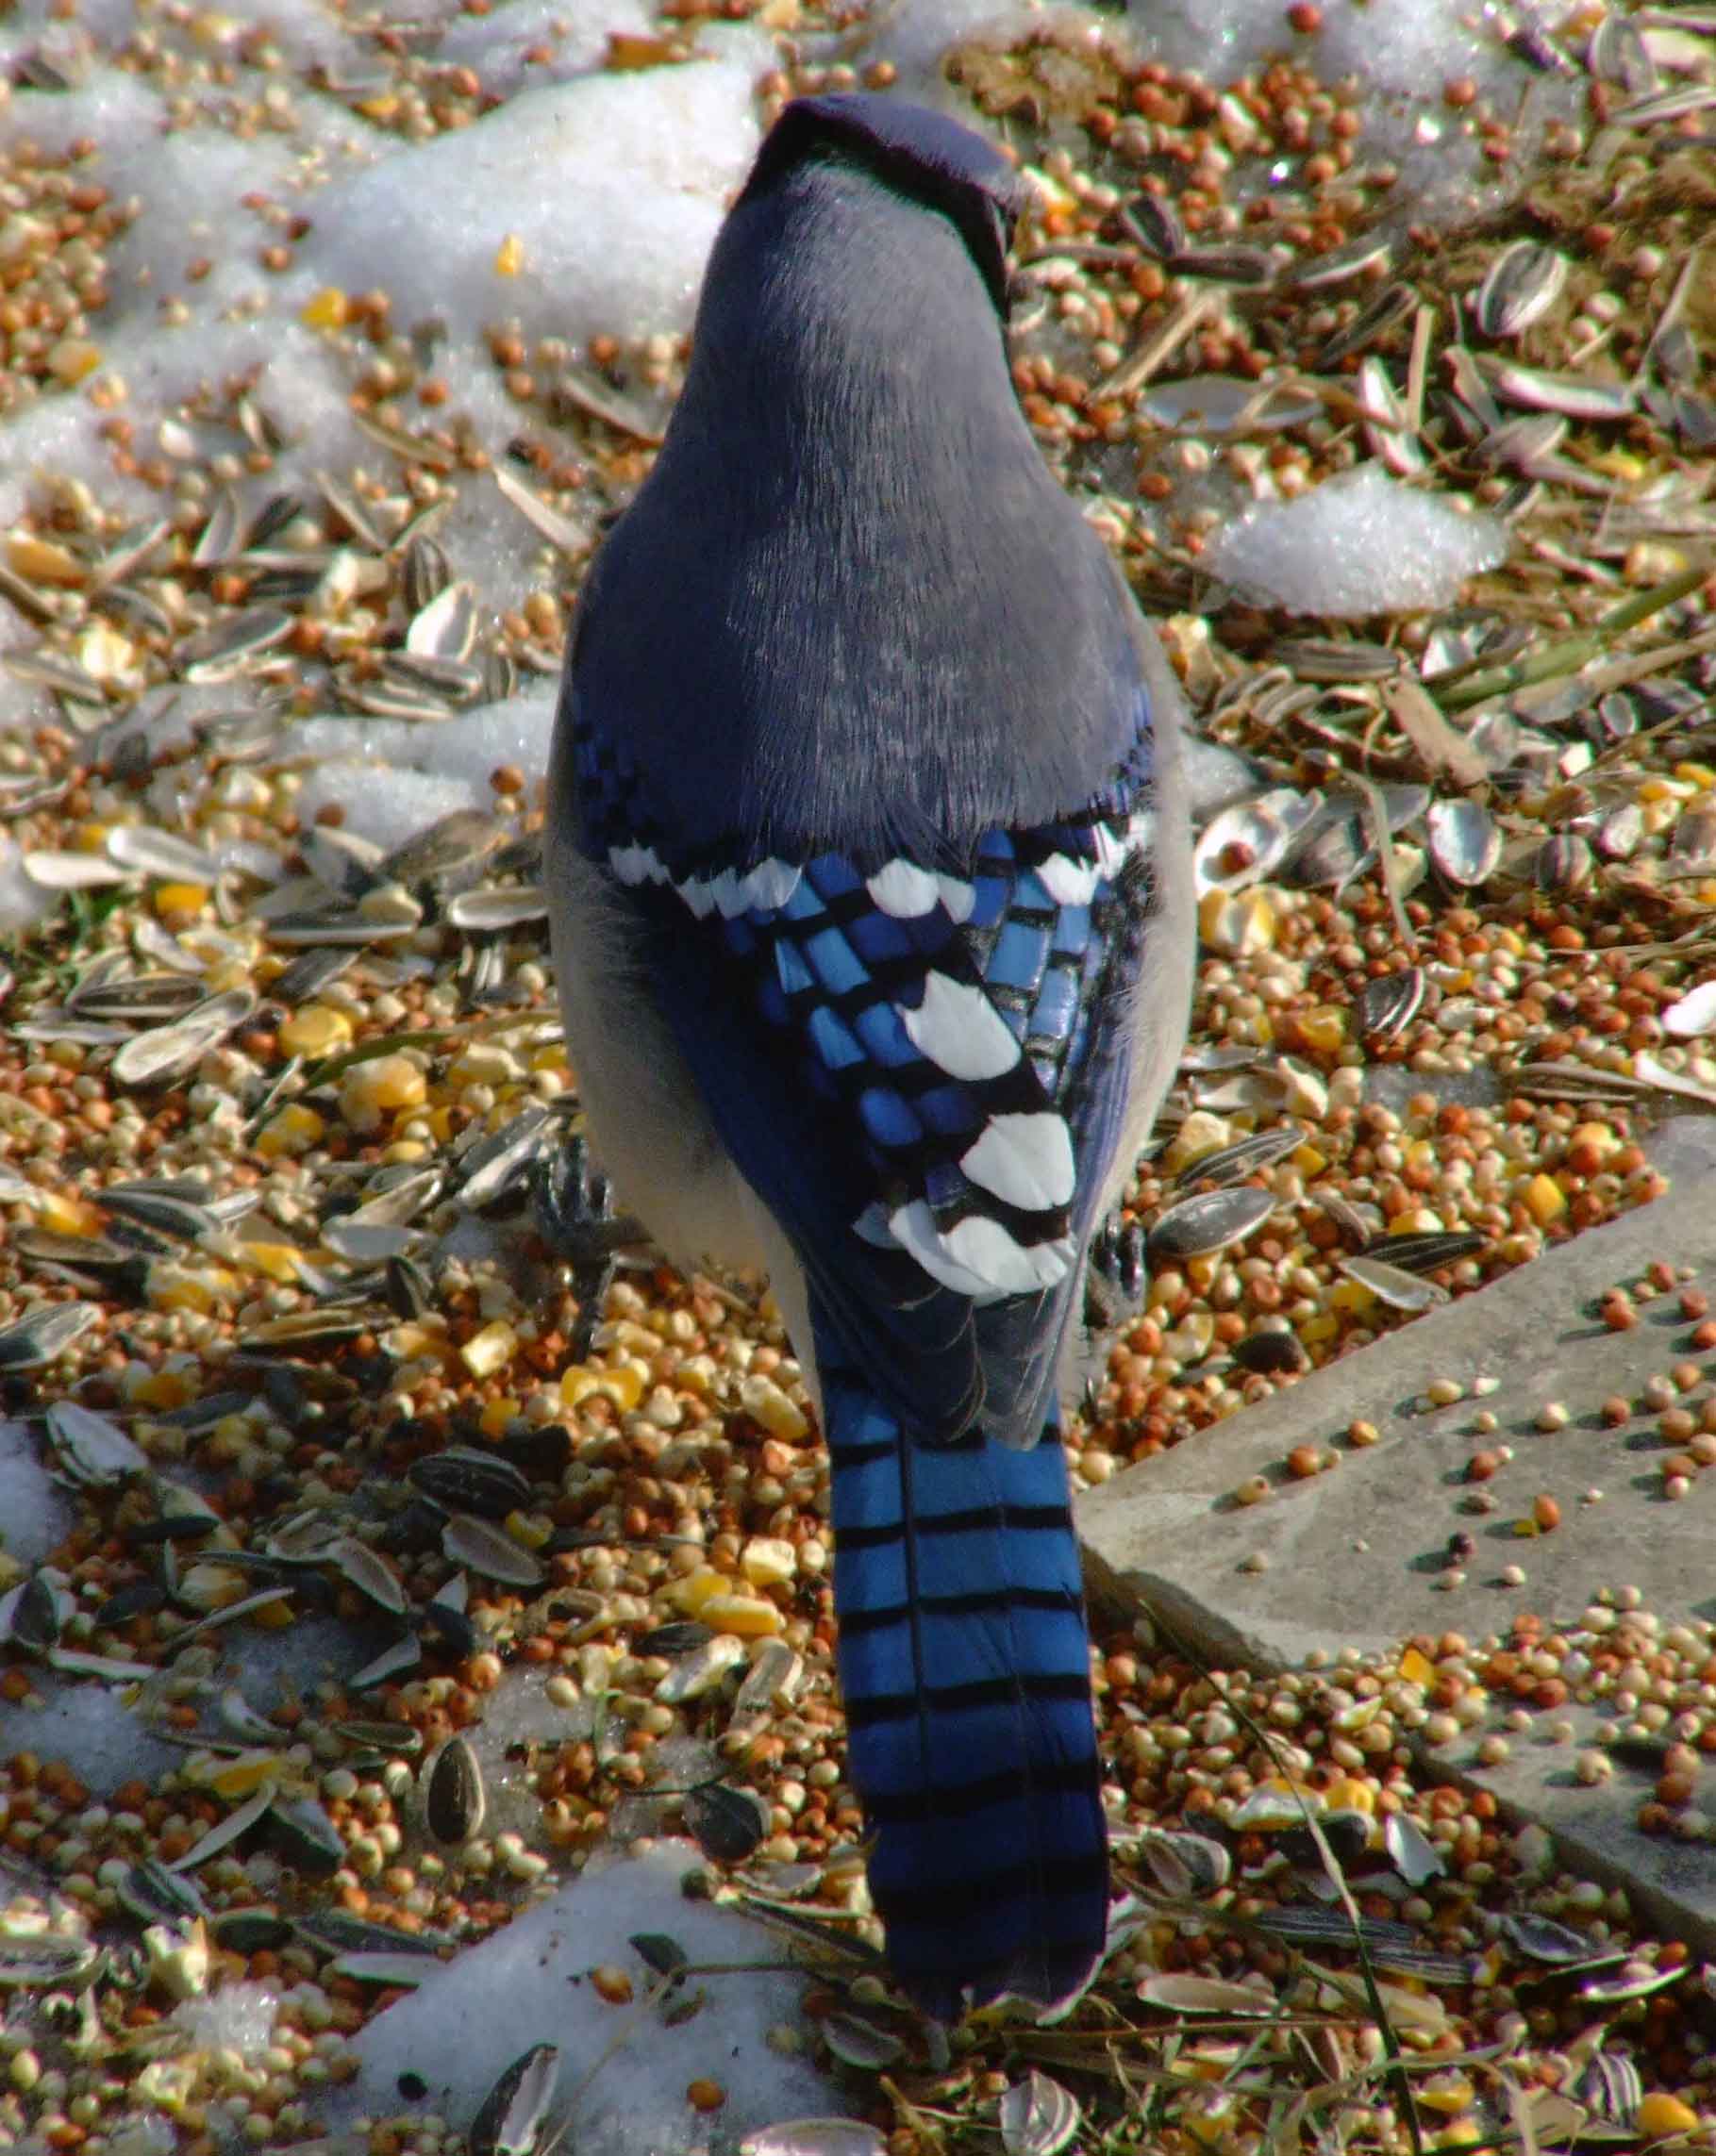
(920, 155)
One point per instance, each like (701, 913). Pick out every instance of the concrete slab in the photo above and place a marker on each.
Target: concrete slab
(1352, 1556)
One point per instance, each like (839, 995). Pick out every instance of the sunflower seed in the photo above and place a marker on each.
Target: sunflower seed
(137, 998)
(234, 645)
(489, 1550)
(1326, 658)
(1385, 1008)
(396, 1660)
(305, 1837)
(91, 1449)
(153, 1895)
(453, 1799)
(43, 1332)
(361, 1568)
(1369, 326)
(160, 854)
(557, 530)
(496, 1164)
(446, 626)
(499, 906)
(1178, 1993)
(1038, 2117)
(464, 1479)
(173, 1050)
(1425, 1253)
(1570, 396)
(511, 2117)
(1392, 1285)
(225, 1832)
(425, 574)
(861, 2044)
(1246, 1158)
(1464, 842)
(1524, 282)
(1185, 1864)
(1195, 1227)
(62, 871)
(727, 1824)
(46, 1960)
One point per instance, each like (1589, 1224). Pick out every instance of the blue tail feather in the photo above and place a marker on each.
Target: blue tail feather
(965, 1666)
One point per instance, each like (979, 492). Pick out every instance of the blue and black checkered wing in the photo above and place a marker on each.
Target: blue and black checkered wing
(921, 1074)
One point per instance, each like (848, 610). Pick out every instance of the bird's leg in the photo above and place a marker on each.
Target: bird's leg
(575, 1211)
(1115, 1279)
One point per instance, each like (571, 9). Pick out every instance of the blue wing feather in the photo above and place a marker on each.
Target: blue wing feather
(923, 1077)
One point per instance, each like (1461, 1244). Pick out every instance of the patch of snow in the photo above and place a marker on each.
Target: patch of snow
(576, 207)
(238, 2017)
(90, 1726)
(35, 1516)
(624, 2069)
(1361, 544)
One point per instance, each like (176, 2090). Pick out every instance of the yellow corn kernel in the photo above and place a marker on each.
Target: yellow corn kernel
(1325, 1028)
(326, 309)
(530, 1529)
(497, 1413)
(1659, 2113)
(1544, 1200)
(764, 1403)
(510, 256)
(1416, 1667)
(746, 1615)
(577, 1381)
(699, 1588)
(1237, 924)
(1701, 775)
(1446, 2093)
(624, 1385)
(278, 1261)
(199, 1288)
(289, 1131)
(162, 1389)
(490, 1350)
(370, 1092)
(1316, 1331)
(1307, 1160)
(67, 1216)
(768, 1561)
(180, 897)
(317, 1029)
(1351, 1295)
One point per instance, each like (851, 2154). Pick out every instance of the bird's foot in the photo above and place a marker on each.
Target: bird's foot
(1116, 1276)
(575, 1211)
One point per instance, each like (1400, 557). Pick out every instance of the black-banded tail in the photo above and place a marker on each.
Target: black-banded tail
(965, 1666)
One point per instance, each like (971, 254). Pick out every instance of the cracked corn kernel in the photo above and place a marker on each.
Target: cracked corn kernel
(317, 1029)
(746, 1615)
(371, 1091)
(291, 1132)
(768, 1561)
(766, 1403)
(326, 309)
(489, 1351)
(1543, 1199)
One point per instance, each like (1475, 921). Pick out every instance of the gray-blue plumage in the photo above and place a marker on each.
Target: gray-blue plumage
(869, 888)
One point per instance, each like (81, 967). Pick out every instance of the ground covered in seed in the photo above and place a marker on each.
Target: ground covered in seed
(395, 1574)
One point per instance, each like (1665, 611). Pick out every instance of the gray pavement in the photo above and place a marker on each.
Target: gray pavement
(1353, 1555)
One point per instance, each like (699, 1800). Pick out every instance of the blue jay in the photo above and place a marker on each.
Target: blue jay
(870, 886)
